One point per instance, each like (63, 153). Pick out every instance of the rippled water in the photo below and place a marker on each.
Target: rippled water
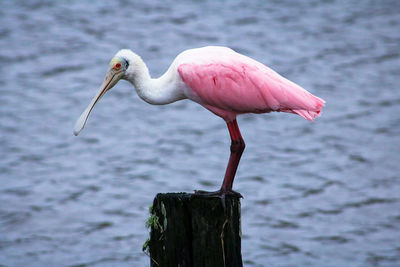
(316, 194)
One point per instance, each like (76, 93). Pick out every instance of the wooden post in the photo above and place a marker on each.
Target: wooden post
(187, 230)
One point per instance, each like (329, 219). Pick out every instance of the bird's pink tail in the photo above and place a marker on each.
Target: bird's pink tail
(311, 114)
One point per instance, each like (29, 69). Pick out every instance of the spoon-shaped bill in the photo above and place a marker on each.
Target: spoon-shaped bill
(109, 82)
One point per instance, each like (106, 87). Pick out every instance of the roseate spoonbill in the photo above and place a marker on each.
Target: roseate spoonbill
(221, 80)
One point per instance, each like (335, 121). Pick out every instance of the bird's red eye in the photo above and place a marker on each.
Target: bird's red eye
(117, 66)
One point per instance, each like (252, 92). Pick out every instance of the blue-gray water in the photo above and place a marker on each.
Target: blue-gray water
(316, 194)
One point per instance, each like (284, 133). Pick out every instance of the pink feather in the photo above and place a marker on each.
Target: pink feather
(236, 84)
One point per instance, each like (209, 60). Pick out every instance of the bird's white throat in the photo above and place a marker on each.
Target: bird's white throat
(163, 90)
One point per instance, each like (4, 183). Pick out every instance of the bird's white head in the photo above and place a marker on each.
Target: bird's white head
(119, 68)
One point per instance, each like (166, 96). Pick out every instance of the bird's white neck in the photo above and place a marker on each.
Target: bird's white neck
(163, 90)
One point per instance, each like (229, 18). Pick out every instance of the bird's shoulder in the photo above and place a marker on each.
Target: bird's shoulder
(221, 61)
(206, 55)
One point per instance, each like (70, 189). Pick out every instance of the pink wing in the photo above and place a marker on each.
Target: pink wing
(237, 85)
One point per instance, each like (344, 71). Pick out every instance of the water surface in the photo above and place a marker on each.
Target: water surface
(316, 194)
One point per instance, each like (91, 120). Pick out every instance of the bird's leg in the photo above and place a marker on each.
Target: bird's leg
(237, 148)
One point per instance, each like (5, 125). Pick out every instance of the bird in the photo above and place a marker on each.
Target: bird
(221, 80)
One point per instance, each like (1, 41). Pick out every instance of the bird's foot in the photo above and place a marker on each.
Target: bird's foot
(222, 193)
(219, 193)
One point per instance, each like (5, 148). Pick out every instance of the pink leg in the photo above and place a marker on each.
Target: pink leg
(237, 147)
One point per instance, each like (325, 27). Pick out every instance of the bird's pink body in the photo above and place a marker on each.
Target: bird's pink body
(223, 81)
(228, 83)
